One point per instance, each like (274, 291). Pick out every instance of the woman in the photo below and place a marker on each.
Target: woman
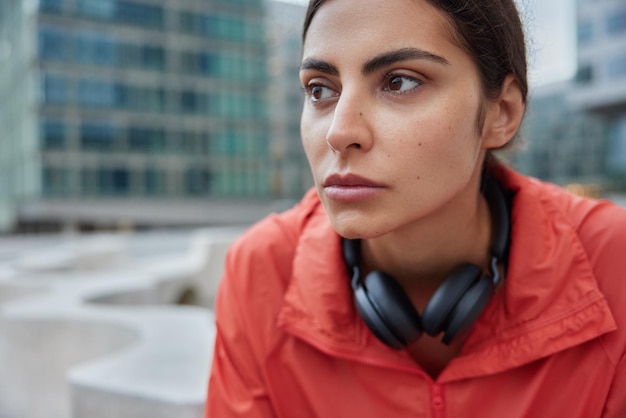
(421, 278)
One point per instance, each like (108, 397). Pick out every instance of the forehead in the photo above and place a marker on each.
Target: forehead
(350, 25)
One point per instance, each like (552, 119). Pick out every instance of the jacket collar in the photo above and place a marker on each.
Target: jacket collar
(549, 302)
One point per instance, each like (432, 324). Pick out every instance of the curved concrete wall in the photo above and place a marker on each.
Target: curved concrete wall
(36, 354)
(95, 334)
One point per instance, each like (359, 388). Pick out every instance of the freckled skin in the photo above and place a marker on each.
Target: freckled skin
(427, 134)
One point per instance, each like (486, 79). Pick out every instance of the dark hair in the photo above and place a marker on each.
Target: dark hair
(490, 31)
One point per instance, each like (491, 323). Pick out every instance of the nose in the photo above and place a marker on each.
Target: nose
(350, 126)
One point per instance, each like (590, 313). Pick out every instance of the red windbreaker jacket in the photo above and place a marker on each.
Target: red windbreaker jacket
(551, 342)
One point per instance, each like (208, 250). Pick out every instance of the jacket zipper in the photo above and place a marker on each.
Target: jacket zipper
(437, 401)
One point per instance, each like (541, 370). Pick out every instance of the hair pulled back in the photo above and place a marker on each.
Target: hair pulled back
(491, 33)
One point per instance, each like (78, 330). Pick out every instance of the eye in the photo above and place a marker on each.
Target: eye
(318, 92)
(401, 83)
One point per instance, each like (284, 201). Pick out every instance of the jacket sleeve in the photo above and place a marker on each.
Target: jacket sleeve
(251, 293)
(616, 402)
(249, 298)
(233, 390)
(236, 387)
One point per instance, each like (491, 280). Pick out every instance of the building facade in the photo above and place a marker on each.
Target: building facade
(601, 78)
(560, 143)
(291, 172)
(575, 131)
(19, 147)
(128, 104)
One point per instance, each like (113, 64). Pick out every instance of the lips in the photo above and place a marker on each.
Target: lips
(350, 188)
(349, 180)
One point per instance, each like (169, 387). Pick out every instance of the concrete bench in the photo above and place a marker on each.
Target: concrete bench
(96, 340)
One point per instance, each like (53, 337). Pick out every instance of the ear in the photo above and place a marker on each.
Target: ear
(504, 115)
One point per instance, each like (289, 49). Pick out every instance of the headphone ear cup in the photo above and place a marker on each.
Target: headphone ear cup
(469, 308)
(395, 314)
(437, 311)
(372, 319)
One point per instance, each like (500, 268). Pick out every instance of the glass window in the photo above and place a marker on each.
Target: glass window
(97, 136)
(123, 95)
(95, 48)
(187, 22)
(154, 182)
(52, 134)
(55, 89)
(616, 67)
(187, 62)
(51, 6)
(122, 11)
(146, 140)
(113, 181)
(52, 43)
(189, 143)
(153, 57)
(584, 32)
(193, 102)
(617, 146)
(188, 101)
(616, 22)
(193, 143)
(141, 98)
(197, 181)
(208, 26)
(88, 182)
(120, 180)
(101, 9)
(140, 14)
(55, 181)
(205, 143)
(198, 63)
(254, 31)
(96, 93)
(206, 63)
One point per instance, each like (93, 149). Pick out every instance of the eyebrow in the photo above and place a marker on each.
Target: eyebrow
(319, 65)
(376, 63)
(398, 55)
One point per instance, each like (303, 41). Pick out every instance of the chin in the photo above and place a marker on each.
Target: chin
(356, 230)
(356, 222)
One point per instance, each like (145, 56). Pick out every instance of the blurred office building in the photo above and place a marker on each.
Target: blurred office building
(291, 173)
(138, 113)
(561, 143)
(576, 130)
(601, 78)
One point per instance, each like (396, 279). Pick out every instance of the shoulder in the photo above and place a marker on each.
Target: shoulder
(258, 270)
(600, 225)
(271, 242)
(602, 231)
(600, 228)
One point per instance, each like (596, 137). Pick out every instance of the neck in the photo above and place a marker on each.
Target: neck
(421, 256)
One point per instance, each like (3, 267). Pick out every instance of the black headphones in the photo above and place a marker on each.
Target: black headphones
(458, 301)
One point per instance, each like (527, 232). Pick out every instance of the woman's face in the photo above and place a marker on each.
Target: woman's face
(389, 124)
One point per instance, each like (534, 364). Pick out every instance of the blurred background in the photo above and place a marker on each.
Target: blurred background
(142, 114)
(123, 114)
(139, 137)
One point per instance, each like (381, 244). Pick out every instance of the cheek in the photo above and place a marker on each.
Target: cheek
(439, 147)
(457, 126)
(305, 134)
(314, 148)
(313, 137)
